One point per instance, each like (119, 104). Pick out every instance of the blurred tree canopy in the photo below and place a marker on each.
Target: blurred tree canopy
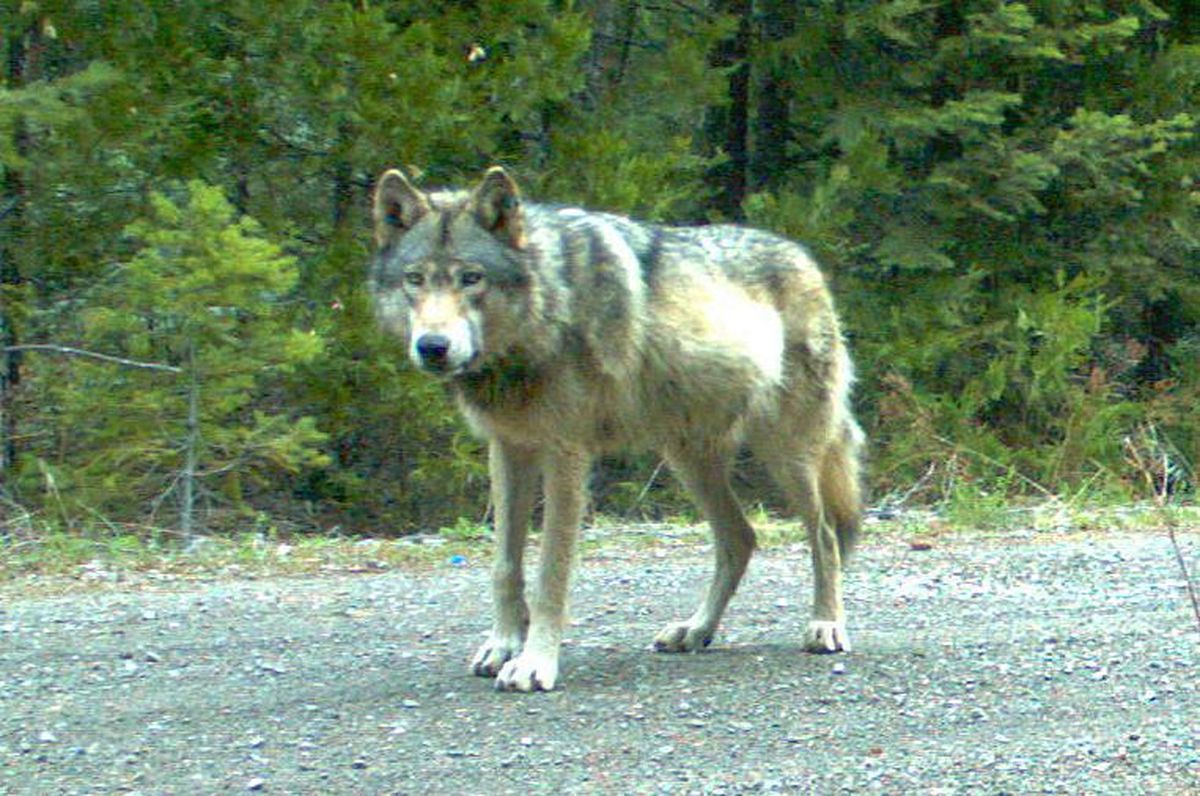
(1004, 195)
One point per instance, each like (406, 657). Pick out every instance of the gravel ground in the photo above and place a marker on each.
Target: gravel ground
(1016, 664)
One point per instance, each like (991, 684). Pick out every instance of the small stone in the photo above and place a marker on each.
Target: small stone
(258, 783)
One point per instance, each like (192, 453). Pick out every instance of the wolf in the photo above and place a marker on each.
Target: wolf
(564, 334)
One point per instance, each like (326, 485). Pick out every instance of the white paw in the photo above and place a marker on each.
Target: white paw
(529, 671)
(826, 636)
(683, 637)
(494, 653)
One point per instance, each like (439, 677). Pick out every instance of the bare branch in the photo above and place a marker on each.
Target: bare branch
(1160, 502)
(1188, 583)
(79, 352)
(994, 462)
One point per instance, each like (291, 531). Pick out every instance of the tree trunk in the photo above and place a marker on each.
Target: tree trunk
(343, 178)
(187, 498)
(727, 127)
(12, 215)
(772, 123)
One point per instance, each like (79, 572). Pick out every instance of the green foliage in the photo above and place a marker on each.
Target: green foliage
(1004, 195)
(205, 295)
(610, 148)
(999, 217)
(45, 106)
(464, 530)
(982, 508)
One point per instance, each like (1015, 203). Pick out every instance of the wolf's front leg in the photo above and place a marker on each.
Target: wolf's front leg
(536, 668)
(514, 473)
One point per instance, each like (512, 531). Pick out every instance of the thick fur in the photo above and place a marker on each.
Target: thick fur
(564, 333)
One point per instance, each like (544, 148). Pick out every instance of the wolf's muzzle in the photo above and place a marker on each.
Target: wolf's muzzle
(434, 351)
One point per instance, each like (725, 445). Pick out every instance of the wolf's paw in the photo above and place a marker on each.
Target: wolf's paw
(826, 636)
(494, 653)
(529, 671)
(682, 637)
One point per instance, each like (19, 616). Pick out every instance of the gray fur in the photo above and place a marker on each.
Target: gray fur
(564, 333)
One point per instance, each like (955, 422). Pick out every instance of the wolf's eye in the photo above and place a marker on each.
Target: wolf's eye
(468, 278)
(414, 278)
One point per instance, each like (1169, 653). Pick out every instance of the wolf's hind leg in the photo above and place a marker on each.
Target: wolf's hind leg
(706, 476)
(826, 631)
(514, 475)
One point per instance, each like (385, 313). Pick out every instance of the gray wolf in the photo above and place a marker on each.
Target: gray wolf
(564, 333)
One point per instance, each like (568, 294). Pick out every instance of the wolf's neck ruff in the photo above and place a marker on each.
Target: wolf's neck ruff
(508, 383)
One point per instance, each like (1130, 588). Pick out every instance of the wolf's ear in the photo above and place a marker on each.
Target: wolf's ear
(398, 206)
(497, 205)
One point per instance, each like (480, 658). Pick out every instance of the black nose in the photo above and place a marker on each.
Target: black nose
(433, 349)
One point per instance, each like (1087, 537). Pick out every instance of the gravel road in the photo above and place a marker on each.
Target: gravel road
(1023, 663)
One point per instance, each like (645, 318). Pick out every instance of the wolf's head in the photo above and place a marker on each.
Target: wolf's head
(449, 270)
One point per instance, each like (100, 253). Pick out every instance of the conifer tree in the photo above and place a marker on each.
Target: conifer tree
(994, 185)
(207, 295)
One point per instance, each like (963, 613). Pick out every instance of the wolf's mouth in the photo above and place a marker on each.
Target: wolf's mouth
(445, 370)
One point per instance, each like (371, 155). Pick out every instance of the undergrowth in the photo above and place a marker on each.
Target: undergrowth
(34, 552)
(963, 492)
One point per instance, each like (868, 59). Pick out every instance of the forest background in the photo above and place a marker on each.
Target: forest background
(1005, 196)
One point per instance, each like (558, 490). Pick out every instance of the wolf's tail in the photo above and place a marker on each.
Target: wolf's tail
(841, 486)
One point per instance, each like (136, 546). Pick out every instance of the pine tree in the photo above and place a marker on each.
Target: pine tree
(205, 294)
(996, 187)
(40, 112)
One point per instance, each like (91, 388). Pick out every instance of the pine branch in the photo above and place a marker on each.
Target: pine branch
(79, 352)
